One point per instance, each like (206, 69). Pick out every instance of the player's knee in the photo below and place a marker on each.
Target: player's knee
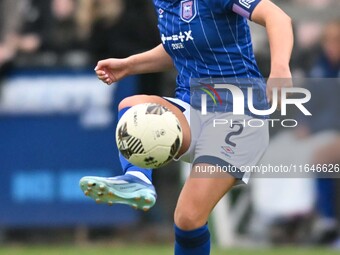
(137, 99)
(188, 219)
(132, 100)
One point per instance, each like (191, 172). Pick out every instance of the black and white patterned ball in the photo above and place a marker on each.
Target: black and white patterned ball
(149, 135)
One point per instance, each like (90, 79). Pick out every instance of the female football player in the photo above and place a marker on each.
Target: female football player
(202, 39)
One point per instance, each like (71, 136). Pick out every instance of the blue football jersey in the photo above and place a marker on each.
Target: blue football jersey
(211, 39)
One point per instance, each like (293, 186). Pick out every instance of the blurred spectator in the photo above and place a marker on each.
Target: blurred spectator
(315, 141)
(328, 64)
(54, 33)
(326, 108)
(119, 28)
(21, 25)
(326, 112)
(61, 33)
(33, 19)
(9, 26)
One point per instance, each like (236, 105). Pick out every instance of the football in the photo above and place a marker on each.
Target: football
(149, 135)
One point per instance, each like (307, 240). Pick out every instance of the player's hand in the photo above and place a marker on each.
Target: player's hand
(112, 70)
(278, 79)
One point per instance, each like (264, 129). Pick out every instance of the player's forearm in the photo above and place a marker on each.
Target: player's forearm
(152, 61)
(280, 35)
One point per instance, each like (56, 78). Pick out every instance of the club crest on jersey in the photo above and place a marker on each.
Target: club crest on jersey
(188, 10)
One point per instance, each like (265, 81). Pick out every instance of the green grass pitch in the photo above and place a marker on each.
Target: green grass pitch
(148, 250)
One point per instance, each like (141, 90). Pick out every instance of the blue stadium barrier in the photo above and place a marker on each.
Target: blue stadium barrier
(55, 128)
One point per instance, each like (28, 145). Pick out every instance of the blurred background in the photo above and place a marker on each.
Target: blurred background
(57, 124)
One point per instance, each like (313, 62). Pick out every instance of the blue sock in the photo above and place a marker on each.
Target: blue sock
(126, 165)
(192, 242)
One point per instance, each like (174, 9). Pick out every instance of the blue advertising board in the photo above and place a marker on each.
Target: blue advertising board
(54, 129)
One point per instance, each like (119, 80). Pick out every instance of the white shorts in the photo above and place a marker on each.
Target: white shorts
(224, 140)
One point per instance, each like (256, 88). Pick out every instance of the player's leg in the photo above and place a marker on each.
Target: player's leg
(134, 187)
(220, 152)
(196, 201)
